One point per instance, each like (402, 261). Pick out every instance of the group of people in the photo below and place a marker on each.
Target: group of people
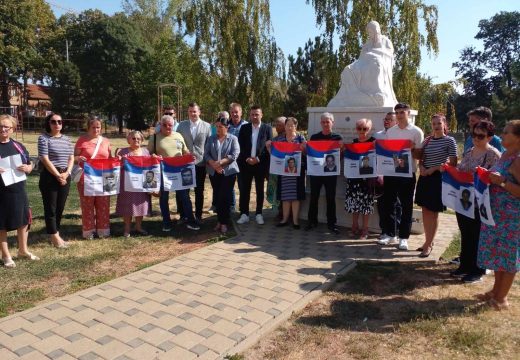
(235, 150)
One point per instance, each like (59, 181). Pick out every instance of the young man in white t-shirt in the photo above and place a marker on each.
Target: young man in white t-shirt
(401, 188)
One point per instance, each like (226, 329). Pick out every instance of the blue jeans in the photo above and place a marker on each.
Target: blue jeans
(184, 198)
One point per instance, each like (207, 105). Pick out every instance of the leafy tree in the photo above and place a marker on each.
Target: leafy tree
(24, 24)
(400, 19)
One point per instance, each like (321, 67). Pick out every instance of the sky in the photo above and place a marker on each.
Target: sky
(294, 24)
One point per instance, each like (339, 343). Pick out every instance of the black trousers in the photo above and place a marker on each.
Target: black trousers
(469, 237)
(402, 189)
(200, 173)
(54, 198)
(223, 188)
(248, 173)
(329, 182)
(395, 216)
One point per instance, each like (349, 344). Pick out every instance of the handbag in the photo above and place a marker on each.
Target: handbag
(77, 170)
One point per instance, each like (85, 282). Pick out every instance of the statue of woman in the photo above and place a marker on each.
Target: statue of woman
(368, 80)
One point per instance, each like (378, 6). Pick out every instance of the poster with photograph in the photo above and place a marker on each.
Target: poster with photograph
(482, 184)
(323, 158)
(394, 158)
(178, 172)
(142, 173)
(285, 158)
(101, 176)
(359, 160)
(458, 191)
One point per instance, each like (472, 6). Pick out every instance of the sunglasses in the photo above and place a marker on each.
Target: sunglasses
(56, 122)
(171, 114)
(478, 136)
(362, 129)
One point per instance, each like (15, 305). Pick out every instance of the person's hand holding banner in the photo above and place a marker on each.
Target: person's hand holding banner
(323, 158)
(359, 160)
(482, 182)
(458, 191)
(394, 158)
(142, 173)
(101, 176)
(178, 172)
(285, 158)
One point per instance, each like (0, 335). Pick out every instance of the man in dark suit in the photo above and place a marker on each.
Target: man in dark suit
(253, 162)
(196, 133)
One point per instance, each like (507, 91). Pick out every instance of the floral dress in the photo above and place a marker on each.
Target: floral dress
(498, 245)
(358, 196)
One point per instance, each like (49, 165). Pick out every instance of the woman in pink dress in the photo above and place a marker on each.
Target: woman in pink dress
(133, 204)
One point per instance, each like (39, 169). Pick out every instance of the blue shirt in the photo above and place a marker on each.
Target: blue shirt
(235, 129)
(496, 142)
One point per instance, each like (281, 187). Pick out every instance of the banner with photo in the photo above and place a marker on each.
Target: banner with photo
(323, 157)
(458, 191)
(101, 176)
(482, 183)
(142, 173)
(359, 160)
(285, 158)
(394, 158)
(178, 172)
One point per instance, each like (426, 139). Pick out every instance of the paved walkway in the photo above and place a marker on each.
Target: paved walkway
(211, 302)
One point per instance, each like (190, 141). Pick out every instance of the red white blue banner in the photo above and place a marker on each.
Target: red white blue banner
(394, 158)
(178, 172)
(359, 160)
(482, 183)
(285, 158)
(101, 176)
(458, 191)
(323, 157)
(142, 173)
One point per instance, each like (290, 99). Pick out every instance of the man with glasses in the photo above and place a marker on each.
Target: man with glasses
(401, 188)
(169, 143)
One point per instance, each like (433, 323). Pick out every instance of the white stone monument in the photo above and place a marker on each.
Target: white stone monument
(366, 92)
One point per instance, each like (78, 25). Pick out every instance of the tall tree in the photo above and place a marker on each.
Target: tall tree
(400, 19)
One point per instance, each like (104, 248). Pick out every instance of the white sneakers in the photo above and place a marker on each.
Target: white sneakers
(259, 219)
(387, 240)
(402, 244)
(244, 219)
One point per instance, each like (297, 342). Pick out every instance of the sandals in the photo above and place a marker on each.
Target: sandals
(363, 234)
(9, 263)
(28, 256)
(426, 254)
(421, 248)
(485, 296)
(498, 306)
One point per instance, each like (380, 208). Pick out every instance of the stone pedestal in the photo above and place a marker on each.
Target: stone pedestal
(345, 124)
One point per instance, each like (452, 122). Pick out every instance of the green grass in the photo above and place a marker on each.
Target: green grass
(453, 250)
(19, 299)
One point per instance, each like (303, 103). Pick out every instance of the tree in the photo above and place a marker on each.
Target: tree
(488, 76)
(24, 24)
(400, 19)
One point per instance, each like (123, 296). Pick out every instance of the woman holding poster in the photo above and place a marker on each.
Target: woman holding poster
(291, 189)
(134, 204)
(358, 197)
(438, 149)
(499, 244)
(14, 204)
(95, 210)
(484, 155)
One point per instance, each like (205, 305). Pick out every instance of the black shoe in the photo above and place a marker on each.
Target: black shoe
(281, 224)
(333, 229)
(296, 226)
(470, 279)
(457, 273)
(310, 226)
(455, 261)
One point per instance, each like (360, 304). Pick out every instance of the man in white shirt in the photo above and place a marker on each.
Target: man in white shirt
(401, 188)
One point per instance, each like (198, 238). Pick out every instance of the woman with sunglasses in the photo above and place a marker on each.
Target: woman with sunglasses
(14, 204)
(482, 154)
(438, 149)
(56, 153)
(134, 204)
(498, 245)
(359, 200)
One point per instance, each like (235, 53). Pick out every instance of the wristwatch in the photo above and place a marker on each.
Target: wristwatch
(503, 184)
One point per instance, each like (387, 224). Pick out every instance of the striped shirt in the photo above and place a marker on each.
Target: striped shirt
(58, 149)
(438, 151)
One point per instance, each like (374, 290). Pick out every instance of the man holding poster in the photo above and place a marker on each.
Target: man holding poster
(401, 188)
(329, 182)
